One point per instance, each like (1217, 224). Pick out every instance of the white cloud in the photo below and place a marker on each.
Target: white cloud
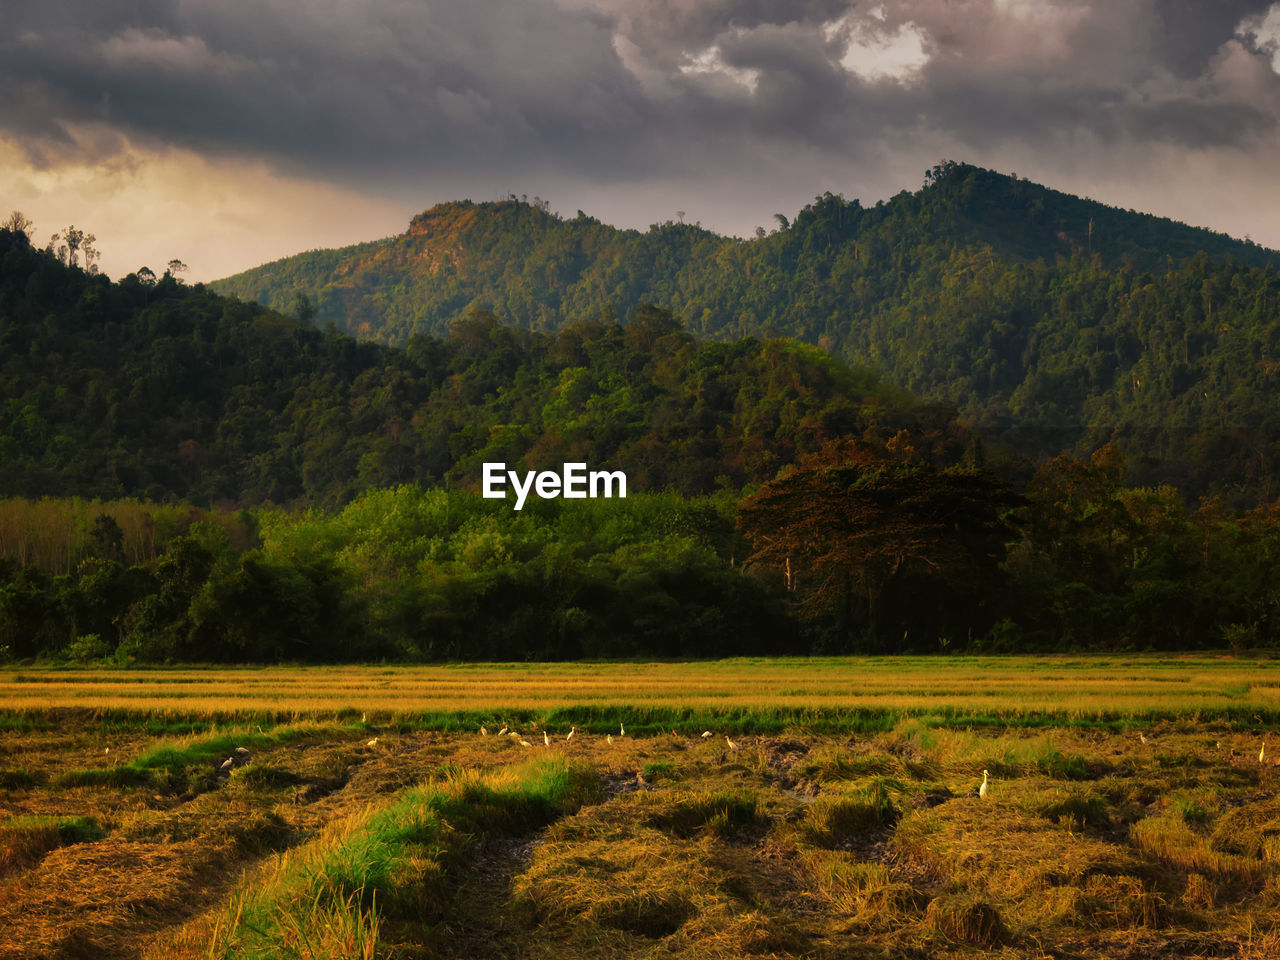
(711, 61)
(875, 52)
(1264, 31)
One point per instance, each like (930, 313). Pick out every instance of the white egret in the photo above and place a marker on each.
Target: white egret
(372, 742)
(572, 731)
(503, 731)
(732, 745)
(1262, 754)
(609, 737)
(705, 734)
(484, 731)
(525, 743)
(622, 731)
(982, 790)
(546, 741)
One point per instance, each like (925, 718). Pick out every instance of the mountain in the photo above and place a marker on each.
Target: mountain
(166, 391)
(1053, 323)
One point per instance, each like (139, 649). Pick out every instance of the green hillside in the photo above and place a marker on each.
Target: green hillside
(165, 391)
(1053, 323)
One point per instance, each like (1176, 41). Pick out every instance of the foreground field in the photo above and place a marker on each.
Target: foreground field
(1151, 831)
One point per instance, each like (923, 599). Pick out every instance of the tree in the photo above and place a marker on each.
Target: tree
(16, 222)
(845, 537)
(90, 253)
(303, 309)
(106, 539)
(175, 267)
(73, 239)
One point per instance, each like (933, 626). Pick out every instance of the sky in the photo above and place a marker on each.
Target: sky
(226, 133)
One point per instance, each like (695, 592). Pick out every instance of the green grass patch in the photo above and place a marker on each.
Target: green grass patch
(393, 865)
(24, 840)
(262, 776)
(175, 761)
(69, 829)
(653, 772)
(20, 779)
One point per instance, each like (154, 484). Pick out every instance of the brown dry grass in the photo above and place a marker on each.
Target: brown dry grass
(1090, 844)
(1073, 687)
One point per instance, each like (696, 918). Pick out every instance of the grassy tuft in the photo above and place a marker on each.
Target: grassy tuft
(967, 919)
(19, 779)
(653, 772)
(261, 776)
(1178, 844)
(1079, 811)
(24, 840)
(721, 814)
(835, 820)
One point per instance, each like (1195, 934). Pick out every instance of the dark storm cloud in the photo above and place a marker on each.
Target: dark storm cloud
(1189, 32)
(611, 90)
(327, 83)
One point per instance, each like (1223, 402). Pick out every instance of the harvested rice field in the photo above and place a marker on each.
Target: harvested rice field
(760, 690)
(379, 821)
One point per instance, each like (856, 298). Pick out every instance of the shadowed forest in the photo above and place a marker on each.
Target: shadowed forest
(191, 477)
(1051, 323)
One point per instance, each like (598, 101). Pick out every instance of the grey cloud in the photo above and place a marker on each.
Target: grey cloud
(329, 84)
(398, 91)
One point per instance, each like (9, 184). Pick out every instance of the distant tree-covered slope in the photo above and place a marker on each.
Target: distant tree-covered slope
(165, 391)
(1055, 324)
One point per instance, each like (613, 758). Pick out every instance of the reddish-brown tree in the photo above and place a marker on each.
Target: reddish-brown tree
(840, 535)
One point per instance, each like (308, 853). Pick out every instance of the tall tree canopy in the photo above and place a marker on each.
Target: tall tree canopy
(882, 546)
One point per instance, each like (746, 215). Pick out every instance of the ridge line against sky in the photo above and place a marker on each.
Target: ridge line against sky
(231, 133)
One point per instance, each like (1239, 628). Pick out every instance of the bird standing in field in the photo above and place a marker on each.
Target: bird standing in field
(705, 734)
(622, 731)
(525, 743)
(982, 790)
(609, 738)
(484, 731)
(546, 740)
(572, 731)
(1262, 754)
(730, 744)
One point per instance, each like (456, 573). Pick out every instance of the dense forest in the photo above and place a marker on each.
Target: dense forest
(186, 476)
(1053, 324)
(845, 553)
(152, 388)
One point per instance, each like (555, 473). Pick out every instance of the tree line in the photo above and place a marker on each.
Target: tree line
(848, 551)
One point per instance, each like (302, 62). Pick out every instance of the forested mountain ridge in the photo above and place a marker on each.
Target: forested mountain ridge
(536, 269)
(161, 390)
(1054, 324)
